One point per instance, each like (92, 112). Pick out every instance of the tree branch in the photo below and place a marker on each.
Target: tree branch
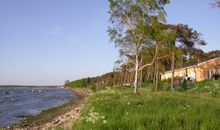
(155, 57)
(163, 56)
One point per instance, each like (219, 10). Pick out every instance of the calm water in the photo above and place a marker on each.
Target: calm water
(23, 101)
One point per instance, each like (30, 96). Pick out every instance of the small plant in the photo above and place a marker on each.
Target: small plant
(93, 88)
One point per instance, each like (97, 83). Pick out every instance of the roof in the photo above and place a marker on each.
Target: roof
(218, 58)
(182, 68)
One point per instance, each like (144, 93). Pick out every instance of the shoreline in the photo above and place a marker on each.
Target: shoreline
(64, 115)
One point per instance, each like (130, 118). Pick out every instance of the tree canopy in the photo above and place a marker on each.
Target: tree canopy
(131, 30)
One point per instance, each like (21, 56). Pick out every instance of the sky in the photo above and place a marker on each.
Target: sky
(45, 42)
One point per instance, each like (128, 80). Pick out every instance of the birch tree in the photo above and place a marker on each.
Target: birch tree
(130, 19)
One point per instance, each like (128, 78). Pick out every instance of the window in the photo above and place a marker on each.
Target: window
(210, 74)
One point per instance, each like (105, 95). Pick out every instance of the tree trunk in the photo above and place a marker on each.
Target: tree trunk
(141, 72)
(157, 76)
(195, 74)
(122, 78)
(154, 74)
(125, 76)
(136, 75)
(173, 69)
(148, 75)
(141, 77)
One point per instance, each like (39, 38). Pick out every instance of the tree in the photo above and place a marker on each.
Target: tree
(187, 40)
(165, 39)
(130, 19)
(67, 82)
(216, 4)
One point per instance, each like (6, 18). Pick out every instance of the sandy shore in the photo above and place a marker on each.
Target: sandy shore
(66, 119)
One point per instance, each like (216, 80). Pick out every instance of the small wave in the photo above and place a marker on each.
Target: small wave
(6, 93)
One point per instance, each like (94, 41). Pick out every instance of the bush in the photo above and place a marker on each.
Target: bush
(147, 83)
(93, 88)
(210, 87)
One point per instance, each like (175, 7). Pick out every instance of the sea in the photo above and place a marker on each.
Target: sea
(17, 102)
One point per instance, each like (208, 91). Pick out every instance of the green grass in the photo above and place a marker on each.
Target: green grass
(119, 109)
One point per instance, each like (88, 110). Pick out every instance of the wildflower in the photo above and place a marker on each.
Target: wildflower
(94, 116)
(126, 113)
(104, 121)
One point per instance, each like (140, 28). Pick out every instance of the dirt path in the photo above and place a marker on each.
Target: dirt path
(65, 120)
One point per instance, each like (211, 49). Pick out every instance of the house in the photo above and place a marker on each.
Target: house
(199, 72)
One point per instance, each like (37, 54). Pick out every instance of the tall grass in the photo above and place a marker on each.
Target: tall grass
(119, 109)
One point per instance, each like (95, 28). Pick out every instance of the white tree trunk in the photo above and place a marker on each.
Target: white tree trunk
(173, 71)
(136, 75)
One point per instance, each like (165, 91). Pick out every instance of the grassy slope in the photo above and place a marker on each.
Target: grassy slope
(119, 109)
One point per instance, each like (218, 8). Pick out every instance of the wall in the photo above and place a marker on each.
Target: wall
(199, 72)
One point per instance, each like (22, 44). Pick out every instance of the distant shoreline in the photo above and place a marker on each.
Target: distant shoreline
(26, 86)
(29, 87)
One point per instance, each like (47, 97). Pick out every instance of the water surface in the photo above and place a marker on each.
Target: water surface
(18, 102)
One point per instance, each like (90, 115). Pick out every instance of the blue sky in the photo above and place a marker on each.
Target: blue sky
(45, 42)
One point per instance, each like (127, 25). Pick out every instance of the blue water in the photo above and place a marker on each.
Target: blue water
(16, 103)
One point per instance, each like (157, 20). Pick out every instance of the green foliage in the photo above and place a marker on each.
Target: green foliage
(147, 83)
(119, 109)
(108, 79)
(78, 83)
(211, 87)
(93, 88)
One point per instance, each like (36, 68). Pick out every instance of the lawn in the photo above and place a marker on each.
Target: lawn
(120, 109)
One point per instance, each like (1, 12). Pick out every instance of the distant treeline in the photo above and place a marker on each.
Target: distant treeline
(108, 79)
(121, 77)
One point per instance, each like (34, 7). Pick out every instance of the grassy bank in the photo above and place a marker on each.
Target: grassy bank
(119, 109)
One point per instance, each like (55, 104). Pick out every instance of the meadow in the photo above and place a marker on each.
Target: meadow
(120, 109)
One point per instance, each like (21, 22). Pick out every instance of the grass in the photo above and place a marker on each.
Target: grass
(119, 109)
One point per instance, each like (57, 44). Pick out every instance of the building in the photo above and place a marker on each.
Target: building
(201, 71)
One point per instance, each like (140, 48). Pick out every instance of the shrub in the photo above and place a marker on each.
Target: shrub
(93, 87)
(210, 87)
